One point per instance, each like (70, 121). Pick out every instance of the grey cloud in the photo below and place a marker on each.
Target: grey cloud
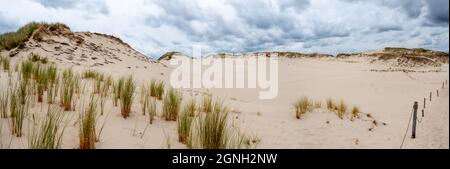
(97, 6)
(437, 12)
(412, 8)
(6, 26)
(387, 28)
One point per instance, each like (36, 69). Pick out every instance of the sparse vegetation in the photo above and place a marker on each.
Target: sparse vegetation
(355, 112)
(18, 112)
(207, 104)
(157, 89)
(152, 110)
(302, 106)
(48, 134)
(33, 57)
(331, 106)
(103, 93)
(341, 109)
(184, 124)
(126, 96)
(42, 81)
(68, 86)
(5, 63)
(90, 74)
(117, 90)
(190, 108)
(171, 105)
(88, 120)
(53, 83)
(211, 131)
(4, 100)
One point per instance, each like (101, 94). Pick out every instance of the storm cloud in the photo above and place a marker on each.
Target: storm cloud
(325, 26)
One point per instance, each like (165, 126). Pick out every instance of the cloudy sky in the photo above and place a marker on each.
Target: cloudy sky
(325, 26)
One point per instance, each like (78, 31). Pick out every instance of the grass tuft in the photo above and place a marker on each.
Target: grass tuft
(18, 112)
(355, 113)
(157, 89)
(210, 130)
(302, 106)
(341, 109)
(184, 124)
(88, 120)
(126, 96)
(5, 63)
(171, 105)
(4, 100)
(48, 134)
(68, 87)
(207, 104)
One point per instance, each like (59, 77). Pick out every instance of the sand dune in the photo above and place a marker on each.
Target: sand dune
(385, 99)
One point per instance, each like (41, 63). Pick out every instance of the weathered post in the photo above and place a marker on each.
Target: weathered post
(430, 96)
(437, 93)
(424, 102)
(423, 113)
(414, 120)
(443, 86)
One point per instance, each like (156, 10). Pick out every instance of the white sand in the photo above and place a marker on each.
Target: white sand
(387, 96)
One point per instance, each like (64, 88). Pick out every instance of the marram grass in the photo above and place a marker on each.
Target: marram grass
(48, 133)
(127, 96)
(87, 121)
(302, 106)
(171, 105)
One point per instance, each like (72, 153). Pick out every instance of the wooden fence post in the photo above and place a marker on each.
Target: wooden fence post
(430, 96)
(414, 120)
(437, 93)
(424, 101)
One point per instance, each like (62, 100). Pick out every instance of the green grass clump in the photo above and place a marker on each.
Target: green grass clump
(157, 89)
(211, 130)
(184, 125)
(68, 87)
(191, 107)
(33, 57)
(53, 83)
(302, 106)
(207, 104)
(26, 69)
(126, 96)
(99, 83)
(5, 63)
(117, 90)
(88, 120)
(11, 40)
(18, 112)
(331, 106)
(355, 112)
(341, 109)
(144, 99)
(42, 82)
(171, 105)
(90, 74)
(4, 100)
(104, 90)
(48, 134)
(152, 109)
